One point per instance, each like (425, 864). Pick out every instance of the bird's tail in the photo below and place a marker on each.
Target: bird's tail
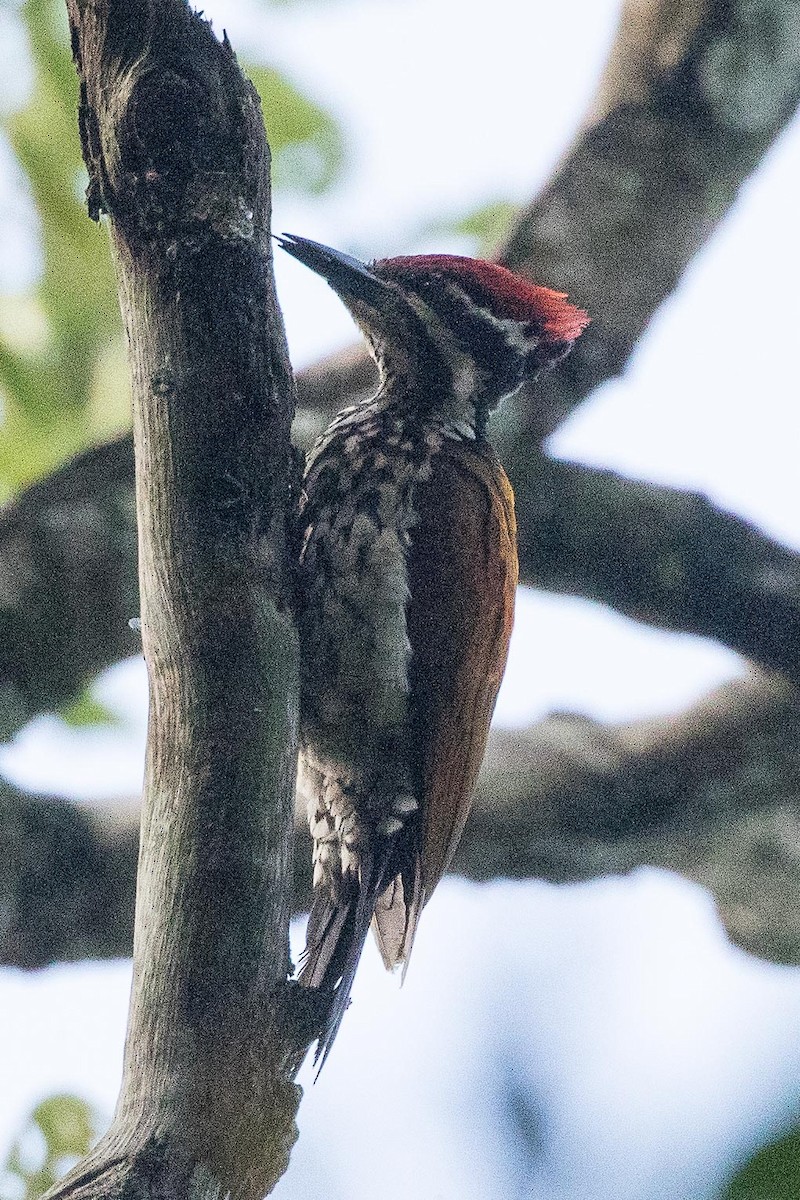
(337, 931)
(396, 917)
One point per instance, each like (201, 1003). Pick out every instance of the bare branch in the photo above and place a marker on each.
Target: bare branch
(174, 141)
(692, 97)
(68, 582)
(662, 556)
(711, 793)
(659, 555)
(67, 881)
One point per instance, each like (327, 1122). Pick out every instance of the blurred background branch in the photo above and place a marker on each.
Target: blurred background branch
(691, 100)
(711, 793)
(686, 109)
(692, 97)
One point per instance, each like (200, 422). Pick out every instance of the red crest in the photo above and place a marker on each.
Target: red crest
(509, 295)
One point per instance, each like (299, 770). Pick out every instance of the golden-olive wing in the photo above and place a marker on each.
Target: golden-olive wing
(463, 574)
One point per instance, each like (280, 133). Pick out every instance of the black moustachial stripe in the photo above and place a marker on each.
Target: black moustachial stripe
(499, 361)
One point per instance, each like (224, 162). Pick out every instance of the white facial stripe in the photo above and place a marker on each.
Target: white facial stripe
(513, 331)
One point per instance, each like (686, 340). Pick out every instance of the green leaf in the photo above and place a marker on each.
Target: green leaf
(487, 225)
(46, 381)
(772, 1174)
(86, 711)
(63, 373)
(306, 143)
(58, 1132)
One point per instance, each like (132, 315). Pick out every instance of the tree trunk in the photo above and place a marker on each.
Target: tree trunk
(177, 156)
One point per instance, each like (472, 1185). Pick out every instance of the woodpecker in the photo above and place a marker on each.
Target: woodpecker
(407, 575)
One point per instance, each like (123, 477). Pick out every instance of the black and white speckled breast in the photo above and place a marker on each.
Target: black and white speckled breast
(356, 519)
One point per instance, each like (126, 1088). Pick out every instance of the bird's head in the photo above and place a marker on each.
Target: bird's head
(455, 335)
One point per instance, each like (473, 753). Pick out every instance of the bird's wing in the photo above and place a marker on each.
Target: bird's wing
(463, 574)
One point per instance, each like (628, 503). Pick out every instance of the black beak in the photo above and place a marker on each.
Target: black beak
(349, 278)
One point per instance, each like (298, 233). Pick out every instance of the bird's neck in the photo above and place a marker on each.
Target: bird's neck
(443, 398)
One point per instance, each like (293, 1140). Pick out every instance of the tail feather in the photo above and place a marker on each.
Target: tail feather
(326, 937)
(337, 931)
(396, 917)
